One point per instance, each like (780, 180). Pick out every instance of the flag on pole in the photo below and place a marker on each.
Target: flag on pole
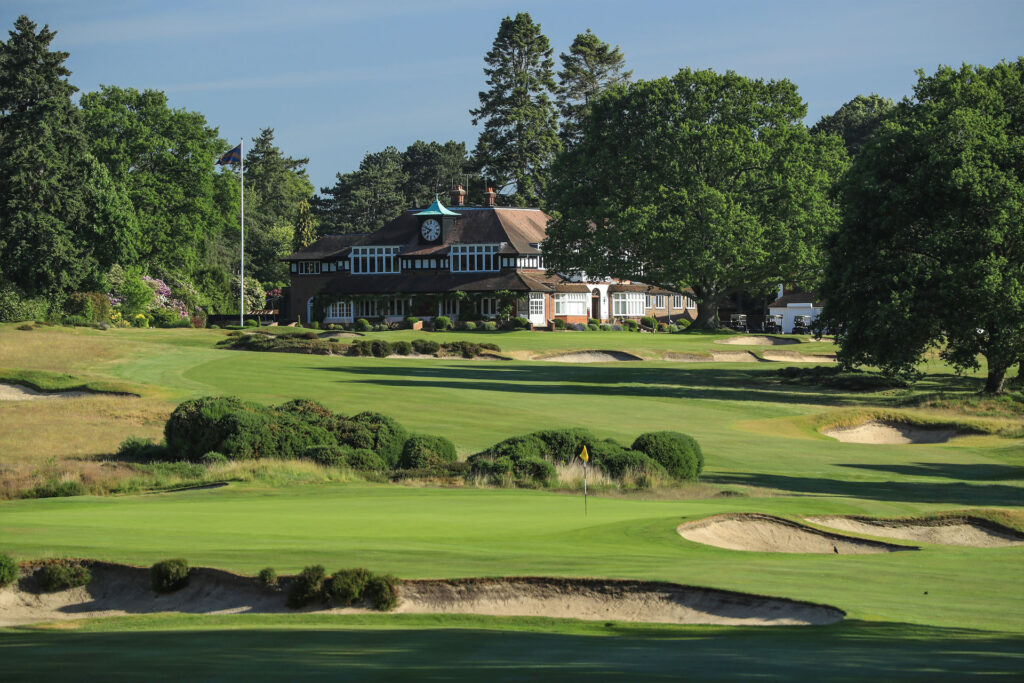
(232, 156)
(584, 456)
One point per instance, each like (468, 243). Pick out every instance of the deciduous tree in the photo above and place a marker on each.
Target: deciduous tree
(520, 125)
(855, 122)
(931, 248)
(703, 180)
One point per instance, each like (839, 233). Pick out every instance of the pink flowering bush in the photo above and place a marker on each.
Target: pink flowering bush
(164, 298)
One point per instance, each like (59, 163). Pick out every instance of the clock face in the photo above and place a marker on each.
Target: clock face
(430, 229)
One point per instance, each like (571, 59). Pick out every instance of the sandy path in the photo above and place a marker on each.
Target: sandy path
(118, 590)
(763, 533)
(17, 392)
(964, 532)
(752, 340)
(875, 432)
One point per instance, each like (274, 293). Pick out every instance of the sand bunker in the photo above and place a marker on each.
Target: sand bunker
(767, 534)
(591, 357)
(117, 590)
(964, 531)
(16, 392)
(794, 357)
(601, 600)
(714, 357)
(877, 432)
(752, 340)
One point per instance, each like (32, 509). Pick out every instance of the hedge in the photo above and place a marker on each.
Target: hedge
(678, 453)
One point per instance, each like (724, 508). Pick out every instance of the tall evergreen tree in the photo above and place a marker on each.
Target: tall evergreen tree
(590, 67)
(62, 220)
(430, 168)
(365, 199)
(275, 188)
(305, 227)
(520, 125)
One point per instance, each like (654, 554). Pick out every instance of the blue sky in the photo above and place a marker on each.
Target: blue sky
(338, 79)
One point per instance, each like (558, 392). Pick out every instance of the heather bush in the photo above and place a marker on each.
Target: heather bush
(364, 460)
(678, 453)
(60, 576)
(138, 449)
(422, 451)
(267, 578)
(8, 570)
(307, 586)
(169, 575)
(381, 591)
(379, 433)
(346, 586)
(564, 445)
(213, 458)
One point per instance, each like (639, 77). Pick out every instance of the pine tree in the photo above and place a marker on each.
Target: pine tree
(520, 134)
(591, 67)
(63, 221)
(305, 227)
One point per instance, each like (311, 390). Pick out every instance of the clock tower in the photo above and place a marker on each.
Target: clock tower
(435, 222)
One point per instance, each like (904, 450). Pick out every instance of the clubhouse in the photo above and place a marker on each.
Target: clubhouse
(467, 263)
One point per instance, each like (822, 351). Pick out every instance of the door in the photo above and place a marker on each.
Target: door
(595, 305)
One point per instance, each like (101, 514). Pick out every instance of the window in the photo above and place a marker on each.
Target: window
(677, 301)
(488, 307)
(628, 304)
(365, 308)
(448, 307)
(339, 309)
(398, 307)
(647, 301)
(571, 304)
(690, 303)
(474, 258)
(309, 267)
(536, 303)
(659, 301)
(369, 260)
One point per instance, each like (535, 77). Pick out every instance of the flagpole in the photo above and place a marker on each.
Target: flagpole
(241, 292)
(584, 488)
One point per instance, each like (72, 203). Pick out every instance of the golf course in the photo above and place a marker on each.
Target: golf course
(922, 606)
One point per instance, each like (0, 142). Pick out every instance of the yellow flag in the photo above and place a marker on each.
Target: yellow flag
(584, 456)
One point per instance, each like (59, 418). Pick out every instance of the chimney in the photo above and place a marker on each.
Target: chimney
(458, 196)
(489, 197)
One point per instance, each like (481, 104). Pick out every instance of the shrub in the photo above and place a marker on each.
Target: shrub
(60, 576)
(425, 347)
(662, 327)
(678, 453)
(616, 327)
(672, 329)
(593, 321)
(310, 412)
(619, 462)
(519, 447)
(307, 335)
(329, 455)
(442, 323)
(630, 325)
(267, 578)
(213, 326)
(564, 445)
(334, 340)
(520, 323)
(315, 325)
(363, 325)
(346, 587)
(8, 570)
(93, 306)
(381, 591)
(364, 460)
(169, 575)
(55, 488)
(374, 431)
(307, 586)
(410, 321)
(78, 321)
(649, 322)
(213, 458)
(26, 327)
(426, 452)
(490, 326)
(578, 327)
(536, 469)
(256, 323)
(138, 449)
(469, 325)
(592, 327)
(605, 327)
(14, 307)
(682, 324)
(361, 347)
(559, 324)
(502, 465)
(402, 348)
(380, 348)
(140, 320)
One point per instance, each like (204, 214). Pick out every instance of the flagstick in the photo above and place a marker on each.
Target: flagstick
(241, 293)
(584, 488)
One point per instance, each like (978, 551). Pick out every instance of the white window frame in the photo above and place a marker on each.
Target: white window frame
(659, 301)
(365, 308)
(399, 308)
(309, 268)
(339, 310)
(375, 260)
(536, 303)
(627, 304)
(647, 301)
(448, 307)
(488, 307)
(691, 303)
(475, 258)
(571, 303)
(677, 301)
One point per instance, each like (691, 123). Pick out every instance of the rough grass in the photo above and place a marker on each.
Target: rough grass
(44, 380)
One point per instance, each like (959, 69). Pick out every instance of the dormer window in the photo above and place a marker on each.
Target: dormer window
(474, 258)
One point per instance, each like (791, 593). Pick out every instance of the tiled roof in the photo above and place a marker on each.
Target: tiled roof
(326, 247)
(423, 283)
(639, 287)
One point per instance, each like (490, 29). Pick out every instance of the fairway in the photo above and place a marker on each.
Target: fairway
(764, 454)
